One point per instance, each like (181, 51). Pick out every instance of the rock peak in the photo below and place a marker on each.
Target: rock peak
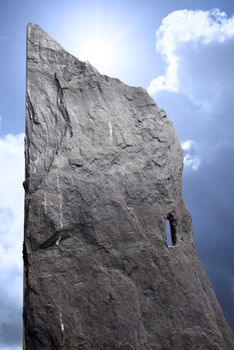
(37, 36)
(103, 177)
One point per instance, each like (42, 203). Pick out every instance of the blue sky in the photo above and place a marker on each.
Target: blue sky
(182, 52)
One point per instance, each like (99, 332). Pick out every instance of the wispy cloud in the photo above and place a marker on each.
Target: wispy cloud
(184, 26)
(191, 159)
(11, 237)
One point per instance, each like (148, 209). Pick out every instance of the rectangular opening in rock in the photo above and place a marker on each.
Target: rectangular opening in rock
(170, 232)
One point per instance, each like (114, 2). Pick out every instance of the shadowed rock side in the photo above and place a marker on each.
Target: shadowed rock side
(103, 174)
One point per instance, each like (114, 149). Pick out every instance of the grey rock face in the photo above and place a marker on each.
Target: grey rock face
(103, 174)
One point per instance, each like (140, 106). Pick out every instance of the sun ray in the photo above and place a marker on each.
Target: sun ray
(100, 52)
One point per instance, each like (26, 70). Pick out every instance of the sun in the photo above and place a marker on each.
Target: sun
(100, 53)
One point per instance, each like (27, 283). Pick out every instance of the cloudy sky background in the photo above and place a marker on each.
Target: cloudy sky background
(183, 53)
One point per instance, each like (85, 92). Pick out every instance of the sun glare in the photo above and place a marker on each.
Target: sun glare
(99, 53)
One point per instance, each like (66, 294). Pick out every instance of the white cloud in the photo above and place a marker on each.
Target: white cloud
(11, 207)
(186, 145)
(191, 159)
(184, 26)
(193, 162)
(11, 239)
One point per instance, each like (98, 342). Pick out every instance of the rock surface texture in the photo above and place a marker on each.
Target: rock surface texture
(103, 174)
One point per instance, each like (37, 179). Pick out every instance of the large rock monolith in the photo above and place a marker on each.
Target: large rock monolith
(103, 175)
